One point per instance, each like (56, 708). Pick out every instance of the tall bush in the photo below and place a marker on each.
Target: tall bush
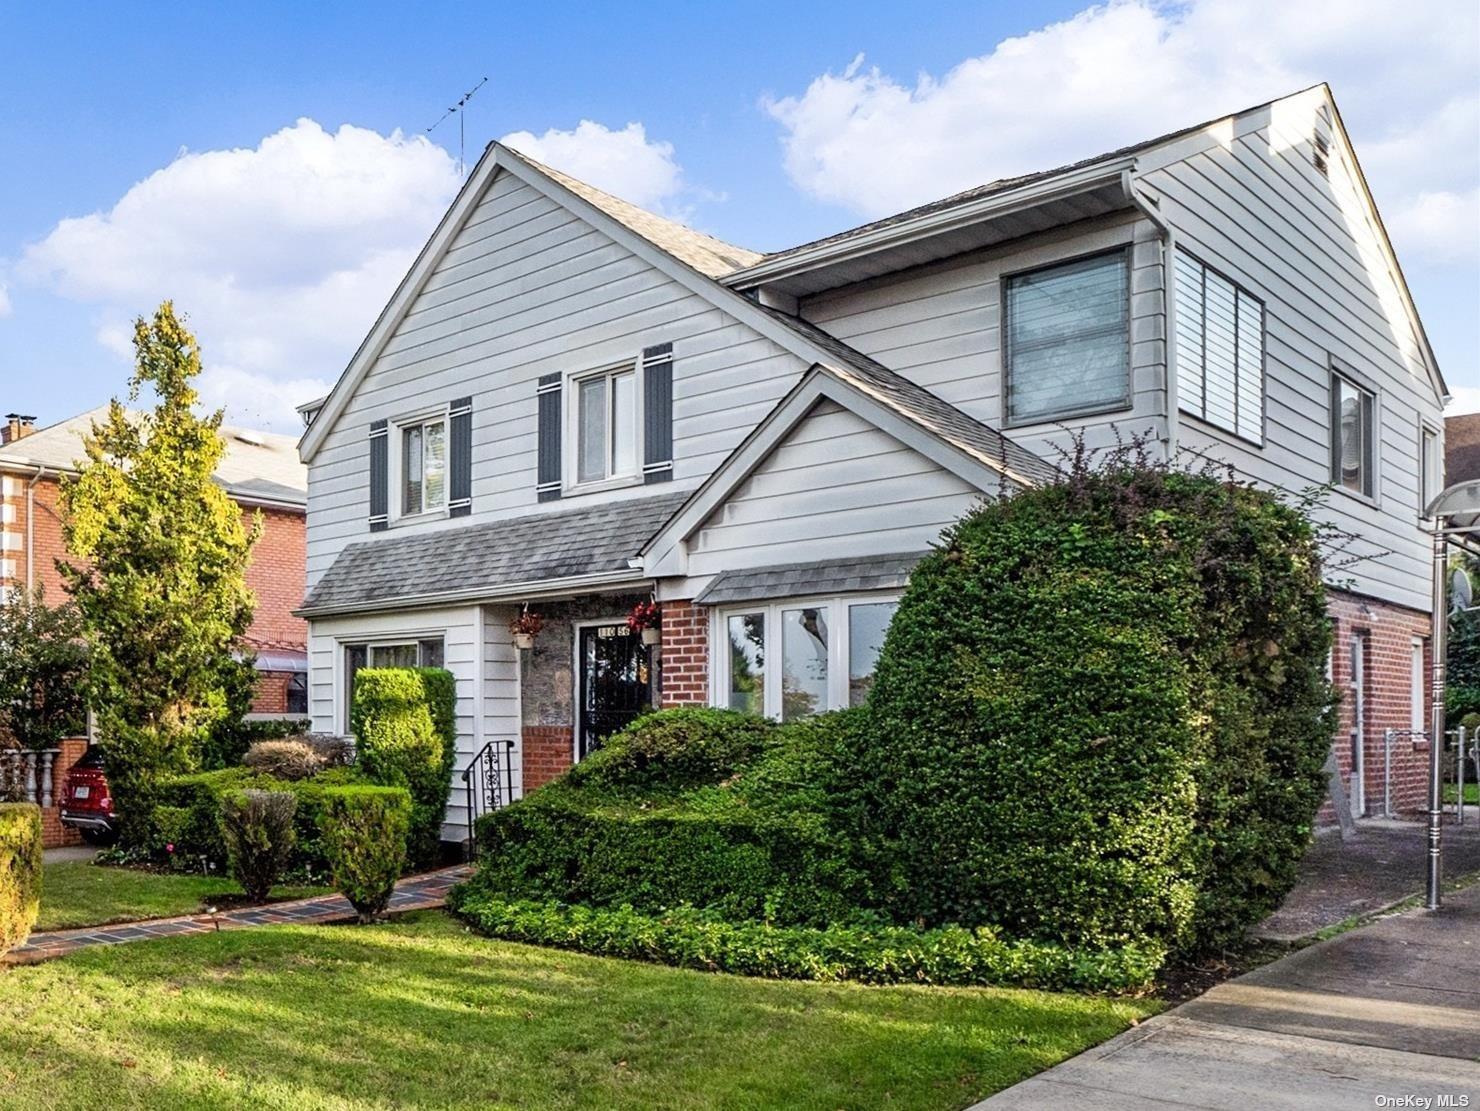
(364, 834)
(1100, 713)
(43, 670)
(258, 828)
(158, 555)
(20, 872)
(405, 732)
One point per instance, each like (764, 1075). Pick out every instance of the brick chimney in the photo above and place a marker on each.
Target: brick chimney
(17, 427)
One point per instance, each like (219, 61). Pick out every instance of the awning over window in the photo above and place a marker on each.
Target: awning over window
(794, 580)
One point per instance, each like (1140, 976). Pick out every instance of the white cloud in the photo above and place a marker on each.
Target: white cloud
(625, 163)
(1122, 72)
(4, 302)
(1465, 399)
(280, 255)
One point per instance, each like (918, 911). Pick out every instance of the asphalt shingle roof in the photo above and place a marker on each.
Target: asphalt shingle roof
(830, 576)
(483, 558)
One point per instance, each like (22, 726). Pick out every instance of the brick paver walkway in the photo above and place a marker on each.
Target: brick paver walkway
(422, 892)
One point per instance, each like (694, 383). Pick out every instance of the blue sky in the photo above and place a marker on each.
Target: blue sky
(766, 124)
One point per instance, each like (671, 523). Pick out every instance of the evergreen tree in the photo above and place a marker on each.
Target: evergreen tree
(160, 555)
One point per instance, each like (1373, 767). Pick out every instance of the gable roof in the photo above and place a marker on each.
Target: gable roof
(260, 468)
(483, 561)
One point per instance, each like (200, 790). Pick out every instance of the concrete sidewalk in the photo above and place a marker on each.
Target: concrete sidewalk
(1391, 1009)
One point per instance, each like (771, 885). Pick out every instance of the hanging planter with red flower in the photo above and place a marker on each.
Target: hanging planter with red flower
(646, 618)
(525, 626)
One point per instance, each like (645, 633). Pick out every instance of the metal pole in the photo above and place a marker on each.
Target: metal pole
(1437, 725)
(1459, 774)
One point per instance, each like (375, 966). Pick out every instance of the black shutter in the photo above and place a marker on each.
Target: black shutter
(460, 451)
(379, 476)
(657, 413)
(547, 481)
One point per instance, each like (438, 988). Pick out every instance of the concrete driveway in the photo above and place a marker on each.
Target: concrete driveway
(1388, 1010)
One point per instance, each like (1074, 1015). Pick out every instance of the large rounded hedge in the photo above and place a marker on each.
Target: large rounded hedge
(1101, 713)
(20, 872)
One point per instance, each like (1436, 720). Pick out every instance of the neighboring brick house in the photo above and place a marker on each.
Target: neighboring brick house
(1461, 448)
(259, 470)
(570, 404)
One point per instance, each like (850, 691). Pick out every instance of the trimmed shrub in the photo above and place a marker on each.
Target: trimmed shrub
(675, 749)
(289, 758)
(1100, 714)
(258, 829)
(405, 730)
(199, 797)
(876, 954)
(20, 872)
(364, 831)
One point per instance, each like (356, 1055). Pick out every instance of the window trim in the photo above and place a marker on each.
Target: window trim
(1427, 494)
(1239, 287)
(1345, 373)
(1004, 338)
(570, 464)
(342, 646)
(396, 463)
(838, 648)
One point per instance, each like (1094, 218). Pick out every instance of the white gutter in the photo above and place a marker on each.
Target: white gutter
(933, 223)
(534, 590)
(1169, 303)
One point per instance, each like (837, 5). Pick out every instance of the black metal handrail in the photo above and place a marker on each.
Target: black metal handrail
(488, 784)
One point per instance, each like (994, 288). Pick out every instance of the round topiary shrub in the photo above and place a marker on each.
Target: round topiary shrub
(20, 872)
(675, 749)
(1100, 713)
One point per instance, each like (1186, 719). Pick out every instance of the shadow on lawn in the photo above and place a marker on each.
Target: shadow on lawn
(420, 1011)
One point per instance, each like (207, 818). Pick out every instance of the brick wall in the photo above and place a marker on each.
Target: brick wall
(276, 575)
(1386, 633)
(684, 665)
(54, 835)
(547, 753)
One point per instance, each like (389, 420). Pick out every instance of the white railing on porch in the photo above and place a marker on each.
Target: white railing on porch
(29, 774)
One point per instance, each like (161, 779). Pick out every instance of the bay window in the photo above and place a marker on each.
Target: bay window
(793, 659)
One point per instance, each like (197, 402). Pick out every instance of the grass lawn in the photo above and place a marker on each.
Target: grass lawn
(79, 893)
(420, 1012)
(1472, 792)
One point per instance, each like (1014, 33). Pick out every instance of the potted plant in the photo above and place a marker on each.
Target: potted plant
(525, 626)
(646, 619)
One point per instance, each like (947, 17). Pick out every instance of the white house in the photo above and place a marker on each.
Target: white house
(571, 405)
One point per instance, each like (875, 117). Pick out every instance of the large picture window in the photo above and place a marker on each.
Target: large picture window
(606, 425)
(822, 655)
(1220, 350)
(1068, 342)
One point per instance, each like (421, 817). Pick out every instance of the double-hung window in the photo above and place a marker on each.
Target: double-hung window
(1068, 340)
(790, 660)
(606, 425)
(423, 652)
(1430, 473)
(423, 466)
(1220, 350)
(1353, 449)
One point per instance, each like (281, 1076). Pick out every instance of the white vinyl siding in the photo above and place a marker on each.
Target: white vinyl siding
(1068, 343)
(1220, 350)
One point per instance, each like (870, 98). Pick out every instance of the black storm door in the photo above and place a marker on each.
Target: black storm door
(615, 684)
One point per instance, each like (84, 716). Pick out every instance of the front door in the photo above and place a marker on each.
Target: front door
(614, 682)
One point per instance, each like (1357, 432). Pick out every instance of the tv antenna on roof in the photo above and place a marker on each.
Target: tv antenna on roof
(460, 110)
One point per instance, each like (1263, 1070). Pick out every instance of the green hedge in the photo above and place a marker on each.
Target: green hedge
(190, 814)
(20, 872)
(703, 940)
(404, 722)
(677, 749)
(364, 832)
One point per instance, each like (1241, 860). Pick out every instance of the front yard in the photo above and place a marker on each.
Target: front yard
(79, 893)
(419, 1011)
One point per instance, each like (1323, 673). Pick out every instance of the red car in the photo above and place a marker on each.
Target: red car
(86, 801)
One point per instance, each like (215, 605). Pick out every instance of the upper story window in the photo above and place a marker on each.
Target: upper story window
(423, 466)
(1068, 339)
(790, 660)
(1430, 468)
(1353, 448)
(606, 425)
(1220, 350)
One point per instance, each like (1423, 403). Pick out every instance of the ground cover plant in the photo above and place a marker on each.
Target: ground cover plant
(329, 1017)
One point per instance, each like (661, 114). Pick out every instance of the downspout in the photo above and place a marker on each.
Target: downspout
(1149, 210)
(31, 528)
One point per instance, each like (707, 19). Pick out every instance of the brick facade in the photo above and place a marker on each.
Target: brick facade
(275, 574)
(54, 835)
(548, 753)
(684, 665)
(1386, 635)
